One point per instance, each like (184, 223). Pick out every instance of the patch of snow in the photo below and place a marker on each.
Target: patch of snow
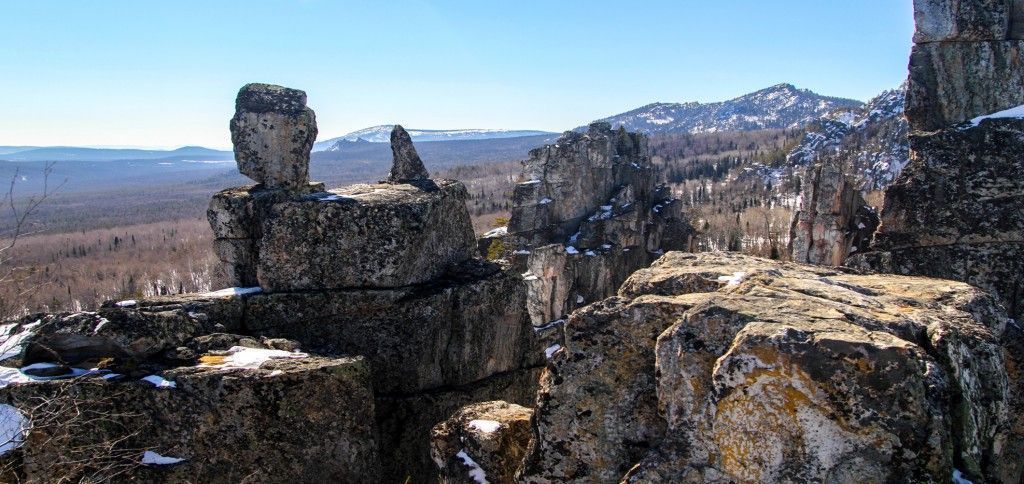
(1016, 112)
(958, 478)
(552, 324)
(530, 182)
(111, 376)
(521, 252)
(12, 344)
(734, 279)
(606, 208)
(234, 291)
(545, 201)
(551, 350)
(496, 232)
(13, 428)
(159, 381)
(275, 373)
(485, 426)
(153, 459)
(475, 471)
(571, 250)
(529, 276)
(606, 246)
(333, 198)
(103, 322)
(579, 299)
(590, 253)
(127, 303)
(243, 357)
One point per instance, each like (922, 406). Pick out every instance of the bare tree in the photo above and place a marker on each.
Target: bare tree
(20, 215)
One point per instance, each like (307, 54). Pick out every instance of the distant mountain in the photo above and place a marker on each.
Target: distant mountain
(14, 149)
(777, 107)
(70, 153)
(382, 134)
(872, 139)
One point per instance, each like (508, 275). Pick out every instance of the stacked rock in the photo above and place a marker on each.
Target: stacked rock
(957, 210)
(273, 133)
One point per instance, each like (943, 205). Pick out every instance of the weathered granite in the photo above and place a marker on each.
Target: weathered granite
(273, 133)
(363, 236)
(953, 82)
(483, 440)
(961, 20)
(726, 367)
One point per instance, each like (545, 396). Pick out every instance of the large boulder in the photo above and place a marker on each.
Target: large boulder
(306, 418)
(732, 368)
(362, 236)
(273, 133)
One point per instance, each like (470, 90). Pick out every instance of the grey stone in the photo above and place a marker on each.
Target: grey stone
(406, 164)
(487, 437)
(953, 82)
(273, 133)
(832, 220)
(362, 236)
(961, 20)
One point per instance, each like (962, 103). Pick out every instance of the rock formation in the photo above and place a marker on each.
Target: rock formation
(495, 431)
(398, 324)
(956, 210)
(408, 166)
(722, 367)
(587, 215)
(832, 220)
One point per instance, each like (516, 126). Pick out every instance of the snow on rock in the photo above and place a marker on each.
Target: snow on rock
(13, 428)
(152, 458)
(160, 382)
(243, 357)
(571, 250)
(11, 345)
(485, 426)
(475, 471)
(234, 291)
(734, 279)
(498, 232)
(1015, 112)
(551, 350)
(127, 303)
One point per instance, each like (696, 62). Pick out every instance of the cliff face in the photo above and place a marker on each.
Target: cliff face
(587, 215)
(955, 211)
(398, 322)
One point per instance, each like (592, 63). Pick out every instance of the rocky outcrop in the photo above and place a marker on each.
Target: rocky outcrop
(407, 165)
(398, 325)
(955, 211)
(722, 367)
(495, 431)
(588, 214)
(832, 220)
(273, 132)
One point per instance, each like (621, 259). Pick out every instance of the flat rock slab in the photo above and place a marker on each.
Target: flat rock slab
(365, 236)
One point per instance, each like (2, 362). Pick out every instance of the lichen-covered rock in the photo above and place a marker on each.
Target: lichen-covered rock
(361, 236)
(273, 133)
(961, 20)
(453, 331)
(831, 220)
(957, 211)
(308, 419)
(724, 367)
(406, 164)
(953, 82)
(484, 440)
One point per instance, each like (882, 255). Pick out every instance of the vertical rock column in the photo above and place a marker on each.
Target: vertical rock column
(957, 210)
(273, 133)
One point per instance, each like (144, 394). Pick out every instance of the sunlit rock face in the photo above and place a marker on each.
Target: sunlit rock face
(273, 133)
(722, 367)
(956, 210)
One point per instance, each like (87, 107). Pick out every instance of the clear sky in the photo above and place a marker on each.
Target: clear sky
(165, 73)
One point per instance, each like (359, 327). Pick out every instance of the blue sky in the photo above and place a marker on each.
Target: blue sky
(148, 73)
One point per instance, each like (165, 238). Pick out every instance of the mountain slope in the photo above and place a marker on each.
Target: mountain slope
(382, 134)
(71, 153)
(871, 140)
(778, 107)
